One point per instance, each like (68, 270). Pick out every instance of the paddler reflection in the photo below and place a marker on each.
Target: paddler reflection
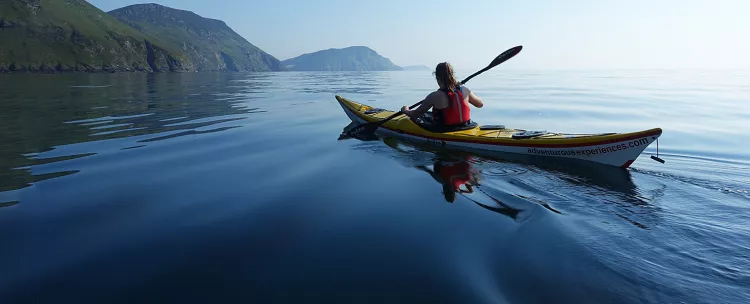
(460, 173)
(458, 176)
(455, 174)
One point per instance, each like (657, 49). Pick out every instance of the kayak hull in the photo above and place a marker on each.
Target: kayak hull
(613, 149)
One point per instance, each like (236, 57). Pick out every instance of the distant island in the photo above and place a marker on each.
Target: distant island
(416, 68)
(75, 36)
(354, 58)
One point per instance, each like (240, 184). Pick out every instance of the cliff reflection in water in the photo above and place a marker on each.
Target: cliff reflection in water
(42, 113)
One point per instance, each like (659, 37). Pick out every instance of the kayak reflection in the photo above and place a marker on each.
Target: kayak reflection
(517, 186)
(576, 172)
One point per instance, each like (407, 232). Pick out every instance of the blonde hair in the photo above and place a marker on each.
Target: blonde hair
(444, 76)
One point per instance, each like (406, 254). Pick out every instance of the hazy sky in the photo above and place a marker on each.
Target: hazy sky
(555, 33)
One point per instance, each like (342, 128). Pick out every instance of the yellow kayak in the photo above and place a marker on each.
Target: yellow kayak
(614, 149)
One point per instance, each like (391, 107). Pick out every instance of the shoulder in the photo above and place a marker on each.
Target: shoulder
(436, 94)
(465, 90)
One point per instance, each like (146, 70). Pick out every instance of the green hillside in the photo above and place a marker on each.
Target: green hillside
(73, 35)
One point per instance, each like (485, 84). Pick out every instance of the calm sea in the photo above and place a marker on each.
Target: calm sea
(219, 188)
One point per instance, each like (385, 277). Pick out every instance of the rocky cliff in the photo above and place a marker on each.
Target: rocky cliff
(208, 44)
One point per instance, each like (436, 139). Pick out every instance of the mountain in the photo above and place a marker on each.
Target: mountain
(73, 35)
(209, 44)
(416, 68)
(354, 58)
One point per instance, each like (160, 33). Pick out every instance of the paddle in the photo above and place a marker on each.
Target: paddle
(366, 131)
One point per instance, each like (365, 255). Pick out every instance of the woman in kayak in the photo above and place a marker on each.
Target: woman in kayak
(449, 103)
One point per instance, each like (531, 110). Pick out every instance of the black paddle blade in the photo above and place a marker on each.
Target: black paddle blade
(364, 131)
(506, 55)
(503, 57)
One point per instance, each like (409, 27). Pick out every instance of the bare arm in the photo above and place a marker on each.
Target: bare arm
(469, 189)
(475, 100)
(427, 103)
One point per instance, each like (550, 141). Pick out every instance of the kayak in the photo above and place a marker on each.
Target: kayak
(612, 149)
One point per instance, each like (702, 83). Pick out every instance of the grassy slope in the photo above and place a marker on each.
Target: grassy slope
(68, 32)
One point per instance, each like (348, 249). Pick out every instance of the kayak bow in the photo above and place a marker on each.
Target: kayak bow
(613, 149)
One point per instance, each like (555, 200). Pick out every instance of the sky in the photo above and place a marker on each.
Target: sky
(570, 34)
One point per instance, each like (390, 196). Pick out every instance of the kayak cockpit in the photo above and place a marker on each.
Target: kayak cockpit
(427, 123)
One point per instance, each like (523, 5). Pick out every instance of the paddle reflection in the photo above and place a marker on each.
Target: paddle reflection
(8, 204)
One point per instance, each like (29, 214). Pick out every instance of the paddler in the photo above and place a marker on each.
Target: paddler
(449, 103)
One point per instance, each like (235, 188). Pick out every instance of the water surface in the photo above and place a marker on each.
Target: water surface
(227, 187)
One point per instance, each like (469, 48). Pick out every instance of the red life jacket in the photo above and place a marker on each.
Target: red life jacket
(457, 112)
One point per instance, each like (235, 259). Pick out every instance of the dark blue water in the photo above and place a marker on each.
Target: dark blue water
(132, 188)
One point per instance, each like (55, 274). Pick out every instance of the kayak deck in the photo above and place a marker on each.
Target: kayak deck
(618, 149)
